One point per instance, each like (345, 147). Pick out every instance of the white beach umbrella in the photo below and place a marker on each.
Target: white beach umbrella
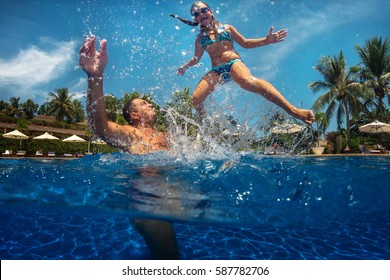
(287, 128)
(74, 138)
(16, 134)
(46, 136)
(375, 127)
(98, 142)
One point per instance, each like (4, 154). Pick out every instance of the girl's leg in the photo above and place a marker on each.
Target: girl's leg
(205, 86)
(243, 77)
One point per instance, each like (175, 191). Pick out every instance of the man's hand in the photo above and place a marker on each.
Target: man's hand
(92, 61)
(276, 37)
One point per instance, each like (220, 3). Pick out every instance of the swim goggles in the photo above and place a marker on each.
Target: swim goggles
(203, 10)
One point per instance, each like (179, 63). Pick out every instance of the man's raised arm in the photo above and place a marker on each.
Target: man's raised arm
(93, 63)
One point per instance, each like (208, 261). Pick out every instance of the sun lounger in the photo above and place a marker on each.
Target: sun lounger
(269, 150)
(68, 155)
(21, 153)
(7, 153)
(366, 150)
(39, 153)
(51, 154)
(381, 149)
(279, 150)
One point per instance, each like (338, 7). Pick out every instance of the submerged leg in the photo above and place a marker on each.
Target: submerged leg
(159, 236)
(242, 76)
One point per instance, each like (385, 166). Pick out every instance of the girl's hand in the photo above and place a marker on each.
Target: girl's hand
(181, 70)
(276, 37)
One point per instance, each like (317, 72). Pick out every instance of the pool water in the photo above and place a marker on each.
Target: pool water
(245, 207)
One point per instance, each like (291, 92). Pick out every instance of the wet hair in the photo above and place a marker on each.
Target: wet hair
(196, 4)
(186, 21)
(127, 109)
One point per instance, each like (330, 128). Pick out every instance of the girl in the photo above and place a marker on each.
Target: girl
(217, 40)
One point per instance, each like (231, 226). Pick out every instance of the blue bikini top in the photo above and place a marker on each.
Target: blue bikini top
(223, 36)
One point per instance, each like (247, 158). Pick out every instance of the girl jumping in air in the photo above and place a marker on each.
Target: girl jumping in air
(217, 40)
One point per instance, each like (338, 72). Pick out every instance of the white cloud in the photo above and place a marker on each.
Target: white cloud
(79, 89)
(33, 67)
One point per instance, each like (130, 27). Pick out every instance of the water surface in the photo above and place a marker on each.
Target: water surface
(246, 207)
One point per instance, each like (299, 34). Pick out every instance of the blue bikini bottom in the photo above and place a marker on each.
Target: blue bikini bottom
(224, 69)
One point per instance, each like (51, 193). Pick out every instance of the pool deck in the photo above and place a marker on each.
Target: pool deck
(39, 157)
(346, 155)
(277, 155)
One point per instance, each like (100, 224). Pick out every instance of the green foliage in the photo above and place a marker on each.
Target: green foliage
(182, 105)
(375, 74)
(29, 109)
(22, 125)
(61, 105)
(42, 109)
(355, 95)
(79, 114)
(113, 106)
(7, 119)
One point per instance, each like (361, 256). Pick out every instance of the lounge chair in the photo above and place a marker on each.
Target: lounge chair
(269, 150)
(366, 150)
(39, 153)
(279, 150)
(21, 153)
(381, 149)
(51, 154)
(7, 153)
(68, 155)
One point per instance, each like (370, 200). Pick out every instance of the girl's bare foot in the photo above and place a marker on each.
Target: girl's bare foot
(305, 115)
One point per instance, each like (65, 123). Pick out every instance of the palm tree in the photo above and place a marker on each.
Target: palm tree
(321, 124)
(29, 109)
(13, 107)
(375, 56)
(61, 105)
(342, 92)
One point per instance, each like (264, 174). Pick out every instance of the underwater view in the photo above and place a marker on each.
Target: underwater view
(246, 207)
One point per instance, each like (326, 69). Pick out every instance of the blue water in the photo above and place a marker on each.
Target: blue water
(245, 207)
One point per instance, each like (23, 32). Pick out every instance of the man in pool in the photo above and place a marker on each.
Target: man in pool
(139, 137)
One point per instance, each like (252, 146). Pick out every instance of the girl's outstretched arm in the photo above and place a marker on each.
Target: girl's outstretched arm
(272, 37)
(198, 53)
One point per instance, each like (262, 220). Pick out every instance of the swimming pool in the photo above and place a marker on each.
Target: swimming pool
(245, 207)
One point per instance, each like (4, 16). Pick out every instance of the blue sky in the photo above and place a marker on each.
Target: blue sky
(41, 40)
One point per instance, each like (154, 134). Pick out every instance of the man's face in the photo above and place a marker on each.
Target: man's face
(144, 110)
